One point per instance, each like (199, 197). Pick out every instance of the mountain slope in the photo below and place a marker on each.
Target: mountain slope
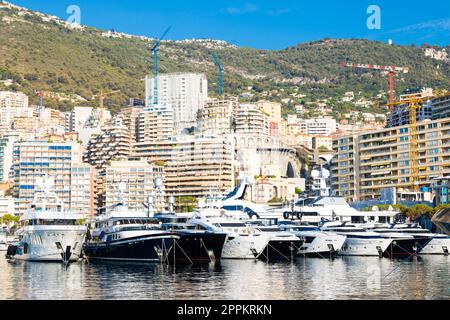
(43, 53)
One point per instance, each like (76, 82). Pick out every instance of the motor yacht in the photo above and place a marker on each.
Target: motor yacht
(128, 235)
(242, 241)
(439, 243)
(49, 232)
(316, 243)
(196, 243)
(282, 245)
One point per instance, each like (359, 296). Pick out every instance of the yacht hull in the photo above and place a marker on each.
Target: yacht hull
(405, 247)
(42, 245)
(243, 246)
(365, 246)
(320, 245)
(280, 250)
(151, 248)
(437, 246)
(193, 247)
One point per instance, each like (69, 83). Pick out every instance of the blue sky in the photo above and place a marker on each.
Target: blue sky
(263, 24)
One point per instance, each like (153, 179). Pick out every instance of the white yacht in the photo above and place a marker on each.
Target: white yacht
(49, 232)
(282, 245)
(359, 242)
(439, 244)
(316, 243)
(243, 241)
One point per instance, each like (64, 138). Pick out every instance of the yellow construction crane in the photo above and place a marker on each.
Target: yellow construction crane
(414, 171)
(101, 96)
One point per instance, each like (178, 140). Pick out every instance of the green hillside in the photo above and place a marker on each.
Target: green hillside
(48, 55)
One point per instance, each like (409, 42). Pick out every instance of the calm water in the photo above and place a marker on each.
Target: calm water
(342, 278)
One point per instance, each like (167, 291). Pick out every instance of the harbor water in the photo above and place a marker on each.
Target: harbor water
(422, 278)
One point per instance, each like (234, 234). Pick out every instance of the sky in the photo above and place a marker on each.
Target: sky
(264, 24)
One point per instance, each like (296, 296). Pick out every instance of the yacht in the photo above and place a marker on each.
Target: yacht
(360, 241)
(49, 232)
(242, 241)
(439, 243)
(124, 235)
(196, 243)
(282, 245)
(316, 243)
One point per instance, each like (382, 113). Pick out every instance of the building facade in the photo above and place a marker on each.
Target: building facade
(139, 178)
(367, 163)
(58, 160)
(186, 93)
(194, 166)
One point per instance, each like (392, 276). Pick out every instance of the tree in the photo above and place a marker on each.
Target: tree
(419, 210)
(8, 218)
(298, 190)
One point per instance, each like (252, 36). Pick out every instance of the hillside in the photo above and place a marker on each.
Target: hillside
(43, 53)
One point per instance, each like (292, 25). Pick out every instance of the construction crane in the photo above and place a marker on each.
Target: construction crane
(220, 69)
(101, 96)
(393, 70)
(414, 170)
(155, 49)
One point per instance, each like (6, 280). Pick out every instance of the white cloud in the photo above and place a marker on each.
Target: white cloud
(247, 8)
(439, 25)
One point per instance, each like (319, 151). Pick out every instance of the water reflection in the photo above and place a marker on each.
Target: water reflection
(340, 278)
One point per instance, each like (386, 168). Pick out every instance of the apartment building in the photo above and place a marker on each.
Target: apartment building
(6, 157)
(367, 163)
(114, 141)
(250, 119)
(139, 177)
(60, 160)
(318, 126)
(156, 123)
(13, 104)
(217, 117)
(77, 118)
(186, 93)
(194, 166)
(273, 111)
(129, 116)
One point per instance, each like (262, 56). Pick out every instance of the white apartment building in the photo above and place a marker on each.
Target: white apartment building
(6, 157)
(13, 104)
(59, 160)
(139, 177)
(6, 205)
(318, 126)
(185, 92)
(77, 118)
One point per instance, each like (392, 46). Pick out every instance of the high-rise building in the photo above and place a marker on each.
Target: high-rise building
(6, 157)
(155, 123)
(367, 163)
(216, 118)
(115, 141)
(186, 93)
(77, 118)
(250, 119)
(129, 116)
(140, 179)
(59, 160)
(13, 104)
(194, 166)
